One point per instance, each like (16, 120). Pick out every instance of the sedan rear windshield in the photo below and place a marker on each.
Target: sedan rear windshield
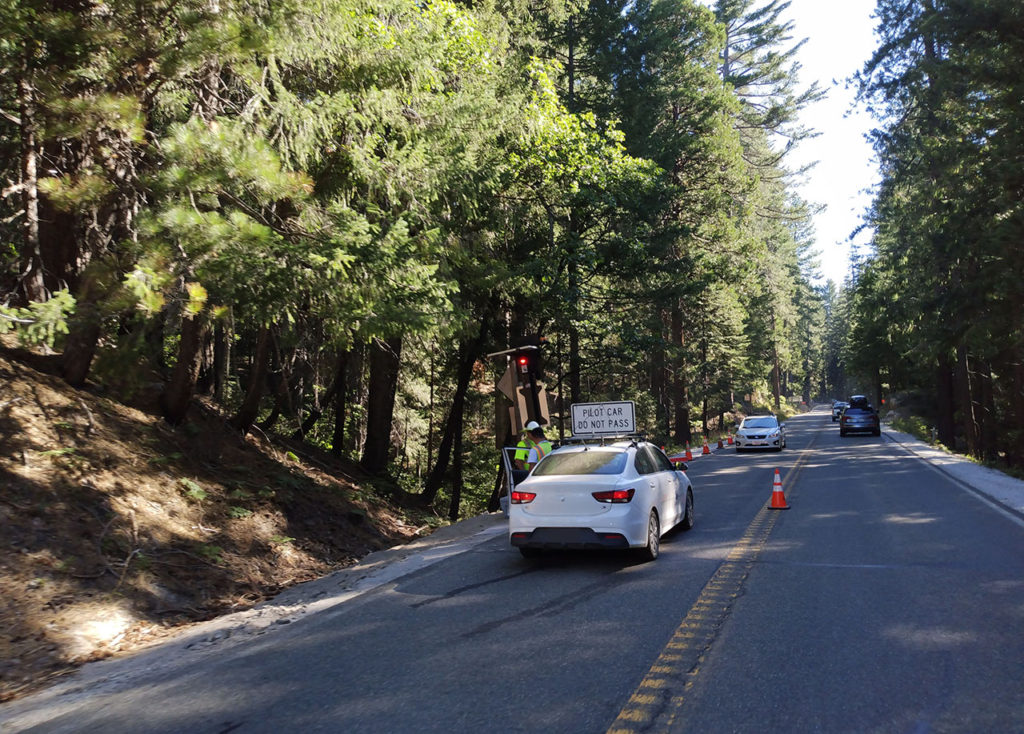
(590, 461)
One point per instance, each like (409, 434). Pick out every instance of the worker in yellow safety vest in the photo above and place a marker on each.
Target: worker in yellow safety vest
(541, 446)
(524, 446)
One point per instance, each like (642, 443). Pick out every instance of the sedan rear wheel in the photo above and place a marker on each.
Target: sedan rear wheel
(650, 551)
(687, 521)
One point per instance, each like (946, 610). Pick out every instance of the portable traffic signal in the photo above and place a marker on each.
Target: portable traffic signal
(522, 367)
(527, 365)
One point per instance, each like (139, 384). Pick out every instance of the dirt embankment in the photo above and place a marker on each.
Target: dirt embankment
(116, 528)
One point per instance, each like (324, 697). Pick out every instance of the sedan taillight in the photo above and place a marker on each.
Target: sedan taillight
(522, 498)
(615, 496)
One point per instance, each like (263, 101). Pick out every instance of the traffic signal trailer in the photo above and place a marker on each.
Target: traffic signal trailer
(520, 384)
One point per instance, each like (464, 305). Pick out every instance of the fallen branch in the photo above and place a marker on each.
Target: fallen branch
(127, 563)
(88, 415)
(8, 403)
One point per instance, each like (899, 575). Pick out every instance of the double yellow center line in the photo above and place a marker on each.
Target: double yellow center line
(656, 703)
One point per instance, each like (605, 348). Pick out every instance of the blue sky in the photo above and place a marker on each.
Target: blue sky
(840, 38)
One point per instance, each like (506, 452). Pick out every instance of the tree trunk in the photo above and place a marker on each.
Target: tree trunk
(986, 412)
(267, 423)
(207, 350)
(570, 64)
(965, 400)
(430, 413)
(80, 344)
(83, 336)
(877, 387)
(318, 409)
(680, 399)
(453, 510)
(179, 391)
(575, 365)
(464, 371)
(808, 386)
(250, 406)
(385, 359)
(1015, 449)
(494, 503)
(221, 359)
(357, 395)
(706, 385)
(945, 400)
(776, 379)
(153, 337)
(776, 372)
(279, 377)
(31, 256)
(340, 404)
(575, 362)
(660, 391)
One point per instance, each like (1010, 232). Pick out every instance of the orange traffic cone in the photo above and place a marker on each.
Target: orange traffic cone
(721, 445)
(689, 454)
(730, 439)
(778, 496)
(707, 449)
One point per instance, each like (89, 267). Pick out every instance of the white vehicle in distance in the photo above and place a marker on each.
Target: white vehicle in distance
(760, 432)
(625, 494)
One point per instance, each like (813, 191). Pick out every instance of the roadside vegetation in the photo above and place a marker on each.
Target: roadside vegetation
(935, 309)
(119, 529)
(321, 217)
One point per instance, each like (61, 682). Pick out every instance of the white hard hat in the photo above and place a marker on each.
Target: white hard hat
(532, 425)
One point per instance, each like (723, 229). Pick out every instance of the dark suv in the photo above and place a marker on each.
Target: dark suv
(859, 417)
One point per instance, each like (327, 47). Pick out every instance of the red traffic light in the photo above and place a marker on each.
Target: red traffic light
(527, 365)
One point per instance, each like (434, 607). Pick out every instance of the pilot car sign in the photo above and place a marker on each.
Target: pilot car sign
(603, 419)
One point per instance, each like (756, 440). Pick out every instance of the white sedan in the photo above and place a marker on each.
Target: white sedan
(623, 495)
(760, 432)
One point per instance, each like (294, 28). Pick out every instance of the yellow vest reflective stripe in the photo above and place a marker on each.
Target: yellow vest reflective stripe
(543, 449)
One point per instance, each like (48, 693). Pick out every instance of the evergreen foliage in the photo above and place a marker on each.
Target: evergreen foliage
(937, 305)
(324, 215)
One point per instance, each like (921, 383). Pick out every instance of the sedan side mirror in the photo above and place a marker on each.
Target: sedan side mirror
(681, 466)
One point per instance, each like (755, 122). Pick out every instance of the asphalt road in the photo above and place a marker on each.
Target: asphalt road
(887, 599)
